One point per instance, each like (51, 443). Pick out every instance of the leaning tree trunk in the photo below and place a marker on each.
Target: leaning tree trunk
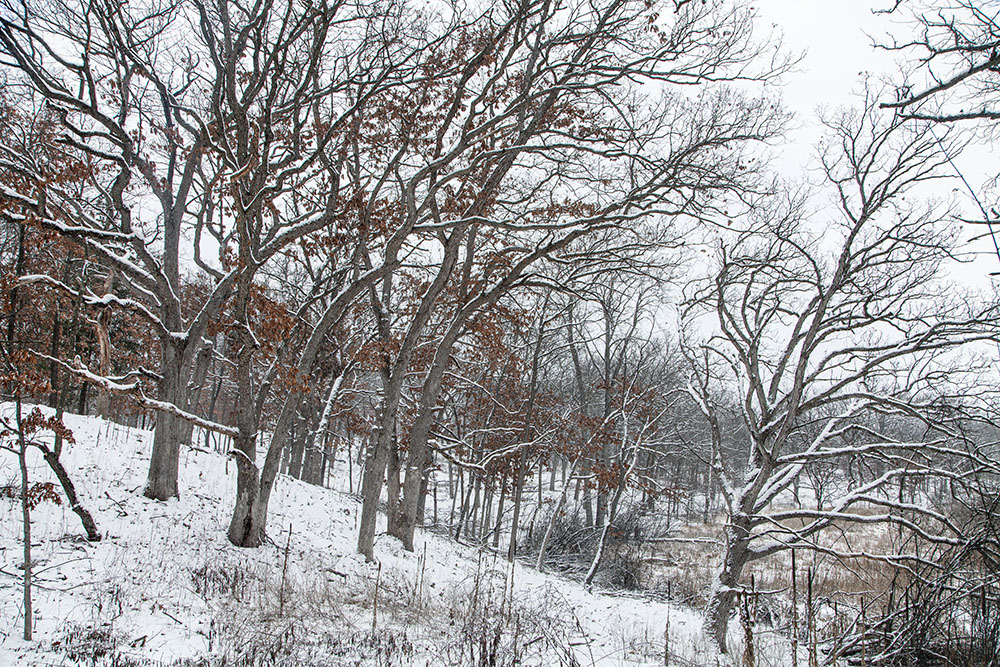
(254, 485)
(612, 515)
(318, 442)
(725, 586)
(393, 374)
(52, 458)
(550, 527)
(403, 521)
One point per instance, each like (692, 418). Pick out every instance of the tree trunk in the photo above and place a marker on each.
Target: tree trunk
(473, 523)
(392, 485)
(269, 473)
(541, 485)
(93, 535)
(329, 454)
(296, 452)
(463, 511)
(709, 484)
(377, 460)
(320, 442)
(602, 505)
(54, 353)
(424, 483)
(484, 525)
(161, 481)
(81, 405)
(403, 520)
(22, 451)
(454, 492)
(314, 461)
(498, 527)
(392, 378)
(350, 463)
(552, 474)
(371, 489)
(725, 585)
(244, 529)
(518, 488)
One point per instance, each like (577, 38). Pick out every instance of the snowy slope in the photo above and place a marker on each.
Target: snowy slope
(166, 586)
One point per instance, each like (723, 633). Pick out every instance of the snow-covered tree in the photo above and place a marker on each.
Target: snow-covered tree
(844, 343)
(535, 137)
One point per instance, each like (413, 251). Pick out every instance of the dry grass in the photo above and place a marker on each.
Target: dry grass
(689, 563)
(838, 587)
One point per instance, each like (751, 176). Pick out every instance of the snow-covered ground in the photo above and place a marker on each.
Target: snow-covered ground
(165, 585)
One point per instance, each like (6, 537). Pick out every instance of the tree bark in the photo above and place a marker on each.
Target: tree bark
(371, 489)
(161, 481)
(93, 535)
(22, 452)
(498, 526)
(296, 453)
(245, 528)
(392, 485)
(725, 584)
(424, 483)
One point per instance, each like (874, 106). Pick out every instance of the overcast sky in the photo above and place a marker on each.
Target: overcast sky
(837, 40)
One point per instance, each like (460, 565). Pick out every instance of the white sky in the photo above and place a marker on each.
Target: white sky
(836, 38)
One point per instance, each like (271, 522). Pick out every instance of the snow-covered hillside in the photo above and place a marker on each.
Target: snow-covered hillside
(165, 586)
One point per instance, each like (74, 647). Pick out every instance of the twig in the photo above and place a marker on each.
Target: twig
(121, 508)
(284, 572)
(378, 580)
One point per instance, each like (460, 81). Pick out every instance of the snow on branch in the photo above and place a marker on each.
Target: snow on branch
(134, 390)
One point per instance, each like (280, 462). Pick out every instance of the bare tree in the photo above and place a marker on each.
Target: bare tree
(212, 134)
(955, 61)
(620, 303)
(543, 141)
(952, 79)
(287, 84)
(839, 347)
(123, 104)
(485, 142)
